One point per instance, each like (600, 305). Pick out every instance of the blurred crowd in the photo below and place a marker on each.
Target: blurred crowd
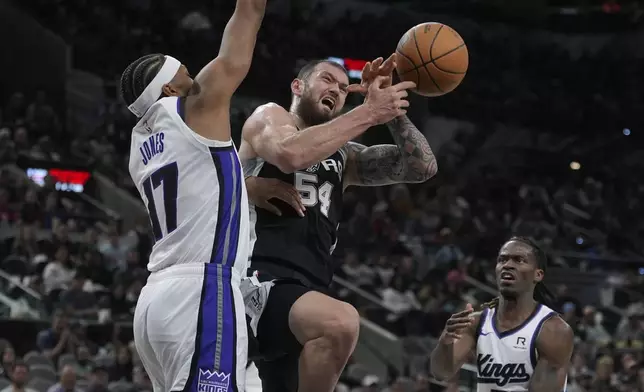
(423, 244)
(516, 76)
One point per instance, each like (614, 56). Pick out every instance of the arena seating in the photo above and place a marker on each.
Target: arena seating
(429, 249)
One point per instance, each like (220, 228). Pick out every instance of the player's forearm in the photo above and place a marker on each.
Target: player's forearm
(240, 36)
(250, 6)
(442, 361)
(547, 378)
(311, 145)
(418, 159)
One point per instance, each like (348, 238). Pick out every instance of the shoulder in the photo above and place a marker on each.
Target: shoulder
(554, 327)
(555, 339)
(270, 109)
(268, 113)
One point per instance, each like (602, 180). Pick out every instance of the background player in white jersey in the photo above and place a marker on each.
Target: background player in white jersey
(189, 323)
(306, 335)
(520, 343)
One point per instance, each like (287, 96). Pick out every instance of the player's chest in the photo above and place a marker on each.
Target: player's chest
(330, 169)
(504, 361)
(320, 185)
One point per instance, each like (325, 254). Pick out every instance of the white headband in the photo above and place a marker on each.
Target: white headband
(152, 92)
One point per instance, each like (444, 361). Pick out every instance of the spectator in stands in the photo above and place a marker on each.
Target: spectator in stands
(140, 379)
(98, 379)
(84, 365)
(122, 369)
(58, 273)
(67, 381)
(19, 378)
(113, 248)
(54, 341)
(450, 251)
(592, 328)
(30, 212)
(76, 301)
(356, 272)
(7, 149)
(8, 360)
(605, 380)
(41, 116)
(21, 142)
(630, 332)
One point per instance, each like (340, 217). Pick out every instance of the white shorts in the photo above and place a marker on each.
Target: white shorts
(190, 329)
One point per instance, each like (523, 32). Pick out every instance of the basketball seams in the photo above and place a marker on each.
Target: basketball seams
(431, 46)
(434, 61)
(411, 57)
(446, 54)
(400, 52)
(426, 70)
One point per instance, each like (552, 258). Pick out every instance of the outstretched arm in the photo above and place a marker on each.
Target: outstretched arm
(410, 160)
(273, 135)
(221, 77)
(554, 346)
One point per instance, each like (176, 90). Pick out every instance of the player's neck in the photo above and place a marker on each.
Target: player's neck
(299, 122)
(516, 308)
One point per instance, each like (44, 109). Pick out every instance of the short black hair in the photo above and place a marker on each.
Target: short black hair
(138, 75)
(309, 67)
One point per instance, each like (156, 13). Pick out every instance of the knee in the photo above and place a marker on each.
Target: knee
(343, 327)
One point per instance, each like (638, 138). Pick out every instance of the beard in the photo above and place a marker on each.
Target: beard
(309, 111)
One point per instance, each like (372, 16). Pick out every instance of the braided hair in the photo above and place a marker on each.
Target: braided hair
(542, 294)
(138, 75)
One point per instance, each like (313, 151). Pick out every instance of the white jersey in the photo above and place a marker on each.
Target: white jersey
(193, 189)
(506, 360)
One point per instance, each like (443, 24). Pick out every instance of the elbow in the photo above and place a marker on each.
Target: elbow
(289, 161)
(418, 175)
(440, 374)
(429, 171)
(438, 369)
(236, 68)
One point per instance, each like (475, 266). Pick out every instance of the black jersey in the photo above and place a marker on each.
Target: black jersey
(290, 246)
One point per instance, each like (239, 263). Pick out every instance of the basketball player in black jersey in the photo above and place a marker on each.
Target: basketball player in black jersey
(310, 147)
(520, 270)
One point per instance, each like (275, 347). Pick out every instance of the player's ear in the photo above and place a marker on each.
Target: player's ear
(169, 90)
(297, 87)
(538, 275)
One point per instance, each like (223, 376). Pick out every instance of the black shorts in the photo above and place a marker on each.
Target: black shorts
(279, 349)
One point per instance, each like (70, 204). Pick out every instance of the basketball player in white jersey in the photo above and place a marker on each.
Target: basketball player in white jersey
(520, 343)
(189, 324)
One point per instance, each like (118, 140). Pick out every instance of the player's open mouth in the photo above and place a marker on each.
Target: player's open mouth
(328, 102)
(507, 277)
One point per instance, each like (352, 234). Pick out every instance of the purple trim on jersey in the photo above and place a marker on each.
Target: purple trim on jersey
(181, 108)
(533, 342)
(229, 176)
(482, 318)
(214, 362)
(509, 332)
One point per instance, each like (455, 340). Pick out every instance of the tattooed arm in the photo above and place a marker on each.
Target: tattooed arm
(554, 347)
(409, 160)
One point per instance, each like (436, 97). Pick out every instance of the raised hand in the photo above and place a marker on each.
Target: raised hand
(371, 70)
(387, 102)
(456, 324)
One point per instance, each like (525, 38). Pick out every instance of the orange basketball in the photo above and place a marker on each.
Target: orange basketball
(433, 56)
